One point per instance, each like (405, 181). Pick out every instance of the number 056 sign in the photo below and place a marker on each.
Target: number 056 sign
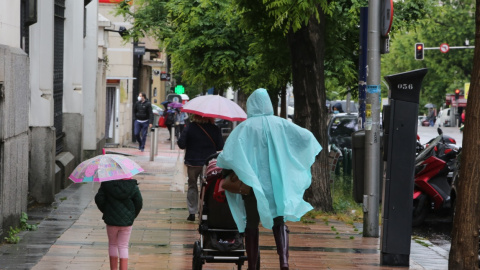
(405, 86)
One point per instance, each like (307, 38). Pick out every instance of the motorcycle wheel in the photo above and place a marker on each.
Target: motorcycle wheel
(420, 210)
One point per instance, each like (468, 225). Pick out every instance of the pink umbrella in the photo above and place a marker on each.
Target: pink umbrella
(215, 106)
(105, 168)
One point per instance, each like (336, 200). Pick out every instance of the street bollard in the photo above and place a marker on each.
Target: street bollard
(152, 142)
(155, 141)
(172, 138)
(337, 168)
(347, 161)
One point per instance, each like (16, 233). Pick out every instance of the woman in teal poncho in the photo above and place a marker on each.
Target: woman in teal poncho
(273, 156)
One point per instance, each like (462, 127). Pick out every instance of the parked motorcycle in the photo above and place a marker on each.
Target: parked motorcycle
(447, 140)
(419, 148)
(434, 167)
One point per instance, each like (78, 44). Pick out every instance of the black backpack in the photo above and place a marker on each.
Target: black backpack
(170, 118)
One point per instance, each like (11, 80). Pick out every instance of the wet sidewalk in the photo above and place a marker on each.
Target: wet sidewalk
(72, 235)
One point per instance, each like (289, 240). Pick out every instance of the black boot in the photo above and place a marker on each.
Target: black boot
(251, 246)
(280, 232)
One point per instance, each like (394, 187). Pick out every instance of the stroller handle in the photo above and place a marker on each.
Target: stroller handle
(212, 156)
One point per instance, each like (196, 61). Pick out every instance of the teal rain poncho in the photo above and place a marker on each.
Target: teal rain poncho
(273, 156)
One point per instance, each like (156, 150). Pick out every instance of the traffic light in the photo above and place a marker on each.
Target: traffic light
(457, 94)
(419, 51)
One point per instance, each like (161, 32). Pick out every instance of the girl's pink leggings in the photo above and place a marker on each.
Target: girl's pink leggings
(118, 238)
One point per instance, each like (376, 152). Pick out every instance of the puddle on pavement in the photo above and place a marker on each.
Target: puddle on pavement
(315, 249)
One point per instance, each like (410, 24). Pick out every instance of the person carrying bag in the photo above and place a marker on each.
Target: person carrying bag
(273, 156)
(200, 139)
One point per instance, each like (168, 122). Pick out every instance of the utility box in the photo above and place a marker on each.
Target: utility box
(358, 165)
(400, 130)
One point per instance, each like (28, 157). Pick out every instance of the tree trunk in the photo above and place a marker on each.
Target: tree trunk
(242, 100)
(283, 101)
(464, 248)
(307, 48)
(274, 99)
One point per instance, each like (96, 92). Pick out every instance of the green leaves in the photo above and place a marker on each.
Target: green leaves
(242, 43)
(208, 46)
(451, 23)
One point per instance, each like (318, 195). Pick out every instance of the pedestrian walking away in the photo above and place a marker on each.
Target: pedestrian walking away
(200, 139)
(273, 156)
(169, 120)
(120, 201)
(180, 118)
(431, 117)
(143, 120)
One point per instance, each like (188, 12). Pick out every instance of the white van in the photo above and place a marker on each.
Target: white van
(445, 118)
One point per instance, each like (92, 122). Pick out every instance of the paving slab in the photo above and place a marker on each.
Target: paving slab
(72, 234)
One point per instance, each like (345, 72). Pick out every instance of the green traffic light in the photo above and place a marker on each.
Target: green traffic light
(179, 89)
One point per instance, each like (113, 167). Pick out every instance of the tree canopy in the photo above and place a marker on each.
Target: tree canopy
(246, 44)
(452, 22)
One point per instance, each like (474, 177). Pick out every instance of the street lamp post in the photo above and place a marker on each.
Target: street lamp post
(372, 124)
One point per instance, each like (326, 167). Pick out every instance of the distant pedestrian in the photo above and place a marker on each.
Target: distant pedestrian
(120, 201)
(337, 108)
(200, 139)
(143, 120)
(431, 117)
(180, 118)
(169, 120)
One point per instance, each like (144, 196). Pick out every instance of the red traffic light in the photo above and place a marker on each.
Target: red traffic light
(457, 94)
(419, 51)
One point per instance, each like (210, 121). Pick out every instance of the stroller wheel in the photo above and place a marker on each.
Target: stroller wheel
(197, 262)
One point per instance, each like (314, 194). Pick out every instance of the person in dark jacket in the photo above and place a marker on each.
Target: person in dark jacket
(337, 108)
(120, 201)
(143, 120)
(200, 139)
(169, 120)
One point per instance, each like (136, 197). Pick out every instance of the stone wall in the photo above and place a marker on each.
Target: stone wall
(14, 135)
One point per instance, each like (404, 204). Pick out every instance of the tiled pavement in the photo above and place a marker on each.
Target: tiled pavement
(163, 239)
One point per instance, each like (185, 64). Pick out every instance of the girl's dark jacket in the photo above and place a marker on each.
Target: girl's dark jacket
(198, 146)
(120, 201)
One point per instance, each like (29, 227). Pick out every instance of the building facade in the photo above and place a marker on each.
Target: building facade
(52, 99)
(132, 68)
(14, 116)
(66, 90)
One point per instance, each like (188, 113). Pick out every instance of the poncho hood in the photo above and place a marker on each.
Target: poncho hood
(259, 104)
(273, 156)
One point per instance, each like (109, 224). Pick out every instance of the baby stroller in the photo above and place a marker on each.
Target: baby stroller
(220, 241)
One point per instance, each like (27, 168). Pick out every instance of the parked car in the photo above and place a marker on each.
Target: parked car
(340, 129)
(225, 127)
(353, 105)
(422, 121)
